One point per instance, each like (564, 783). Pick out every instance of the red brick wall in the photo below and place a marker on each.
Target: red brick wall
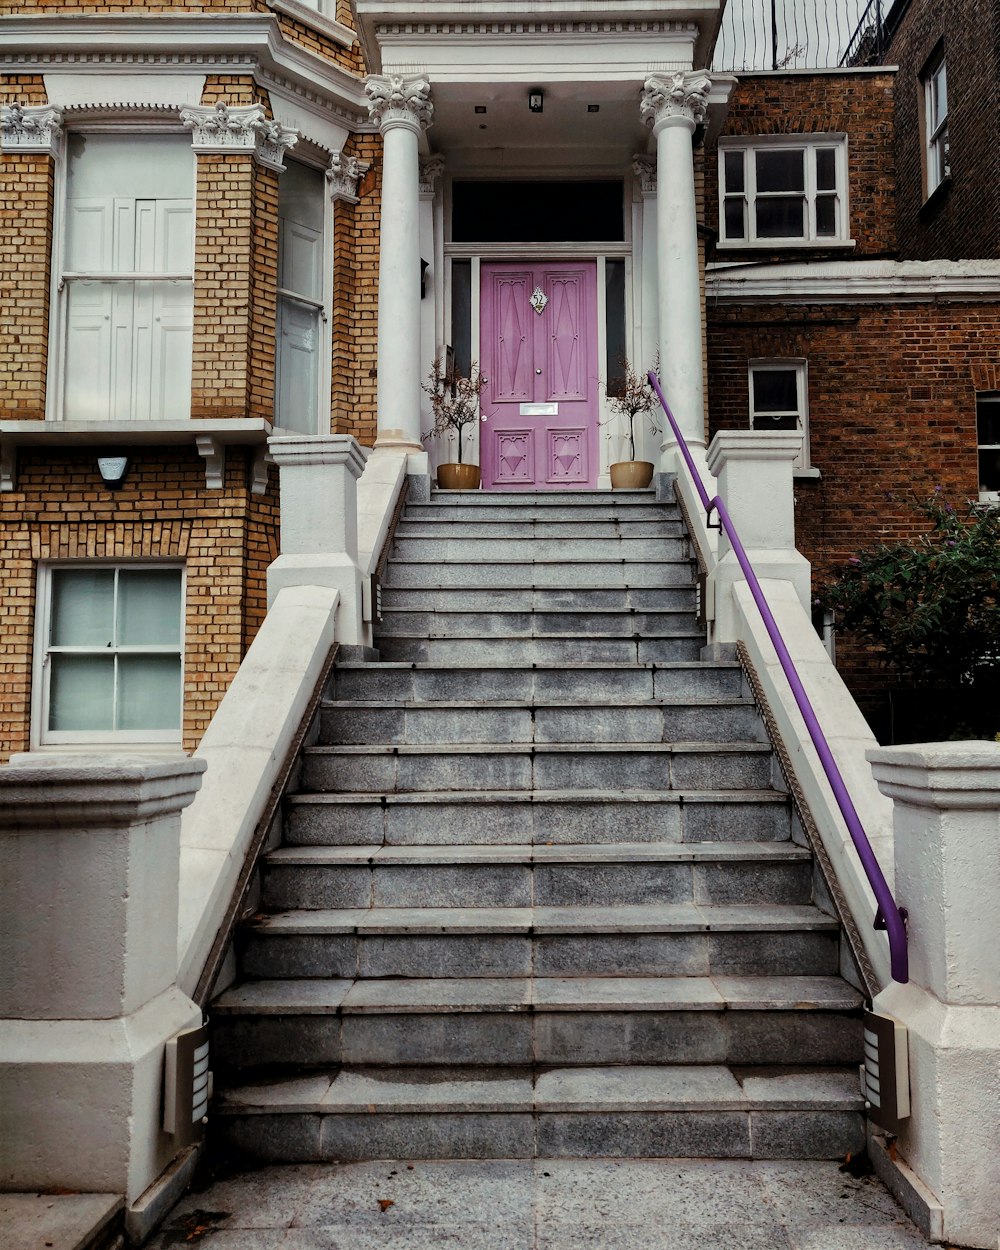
(892, 415)
(962, 218)
(858, 103)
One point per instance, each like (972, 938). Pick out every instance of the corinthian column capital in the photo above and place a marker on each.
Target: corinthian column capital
(399, 100)
(679, 99)
(30, 128)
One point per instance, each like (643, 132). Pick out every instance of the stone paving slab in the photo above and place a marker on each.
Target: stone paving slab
(562, 1204)
(56, 1221)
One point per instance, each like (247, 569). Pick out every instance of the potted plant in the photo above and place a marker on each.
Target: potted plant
(454, 404)
(631, 396)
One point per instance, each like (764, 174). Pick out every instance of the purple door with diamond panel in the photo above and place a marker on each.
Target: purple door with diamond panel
(538, 348)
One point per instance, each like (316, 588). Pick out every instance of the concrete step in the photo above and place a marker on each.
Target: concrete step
(456, 546)
(376, 722)
(532, 509)
(595, 571)
(567, 650)
(670, 939)
(540, 766)
(488, 599)
(602, 1112)
(618, 499)
(575, 1021)
(500, 623)
(544, 683)
(524, 817)
(605, 874)
(504, 527)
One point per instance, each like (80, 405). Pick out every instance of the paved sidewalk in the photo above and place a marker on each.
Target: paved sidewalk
(628, 1204)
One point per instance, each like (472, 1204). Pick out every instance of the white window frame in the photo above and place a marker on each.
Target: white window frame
(43, 737)
(987, 397)
(801, 413)
(112, 123)
(809, 144)
(323, 307)
(937, 168)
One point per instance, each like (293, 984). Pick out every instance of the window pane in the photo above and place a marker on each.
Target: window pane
(776, 423)
(461, 314)
(826, 216)
(780, 218)
(149, 607)
(735, 224)
(537, 212)
(939, 96)
(614, 286)
(144, 167)
(781, 170)
(301, 195)
(82, 607)
(826, 169)
(149, 692)
(988, 421)
(775, 390)
(81, 692)
(734, 172)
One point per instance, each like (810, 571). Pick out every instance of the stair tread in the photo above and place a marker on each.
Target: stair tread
(542, 748)
(687, 1088)
(563, 853)
(539, 796)
(600, 666)
(537, 921)
(629, 994)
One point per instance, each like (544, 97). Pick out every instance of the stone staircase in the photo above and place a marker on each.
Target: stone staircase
(538, 893)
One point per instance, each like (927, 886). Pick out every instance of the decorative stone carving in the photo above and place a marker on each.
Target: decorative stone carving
(239, 128)
(214, 454)
(431, 168)
(644, 168)
(680, 96)
(30, 128)
(398, 100)
(342, 175)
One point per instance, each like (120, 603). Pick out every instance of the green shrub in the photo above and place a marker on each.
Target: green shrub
(932, 605)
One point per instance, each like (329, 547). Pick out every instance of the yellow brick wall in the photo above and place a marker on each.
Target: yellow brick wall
(26, 188)
(225, 538)
(85, 7)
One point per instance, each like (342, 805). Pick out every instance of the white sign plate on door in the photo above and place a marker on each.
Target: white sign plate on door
(539, 410)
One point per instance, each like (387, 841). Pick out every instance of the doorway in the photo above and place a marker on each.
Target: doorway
(538, 348)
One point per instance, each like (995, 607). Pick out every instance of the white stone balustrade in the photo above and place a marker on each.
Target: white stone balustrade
(756, 481)
(319, 522)
(947, 850)
(88, 906)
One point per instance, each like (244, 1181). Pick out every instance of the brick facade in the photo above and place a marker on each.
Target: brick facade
(856, 103)
(959, 221)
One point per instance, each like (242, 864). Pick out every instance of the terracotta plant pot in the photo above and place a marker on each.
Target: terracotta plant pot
(459, 476)
(631, 475)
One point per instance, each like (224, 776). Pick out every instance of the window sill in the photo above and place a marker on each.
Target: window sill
(781, 245)
(106, 746)
(811, 474)
(937, 196)
(210, 437)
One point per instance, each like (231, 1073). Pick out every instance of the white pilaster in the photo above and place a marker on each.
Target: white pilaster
(756, 482)
(947, 848)
(319, 522)
(673, 106)
(401, 107)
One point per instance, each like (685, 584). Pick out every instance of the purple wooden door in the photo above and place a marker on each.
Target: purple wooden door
(540, 404)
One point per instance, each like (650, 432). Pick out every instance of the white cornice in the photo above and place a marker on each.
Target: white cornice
(855, 282)
(164, 43)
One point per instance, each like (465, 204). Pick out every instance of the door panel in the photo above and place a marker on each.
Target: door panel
(540, 404)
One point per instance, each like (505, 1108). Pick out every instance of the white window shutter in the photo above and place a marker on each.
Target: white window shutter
(297, 367)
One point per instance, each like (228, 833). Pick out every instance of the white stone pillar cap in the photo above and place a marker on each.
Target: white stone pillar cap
(940, 774)
(753, 445)
(308, 449)
(81, 791)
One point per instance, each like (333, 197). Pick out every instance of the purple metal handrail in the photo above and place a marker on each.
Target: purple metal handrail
(889, 916)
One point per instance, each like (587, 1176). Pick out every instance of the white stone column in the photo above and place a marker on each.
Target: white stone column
(947, 850)
(756, 482)
(88, 909)
(673, 106)
(319, 522)
(402, 109)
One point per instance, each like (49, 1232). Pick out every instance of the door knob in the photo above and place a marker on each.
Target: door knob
(538, 371)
